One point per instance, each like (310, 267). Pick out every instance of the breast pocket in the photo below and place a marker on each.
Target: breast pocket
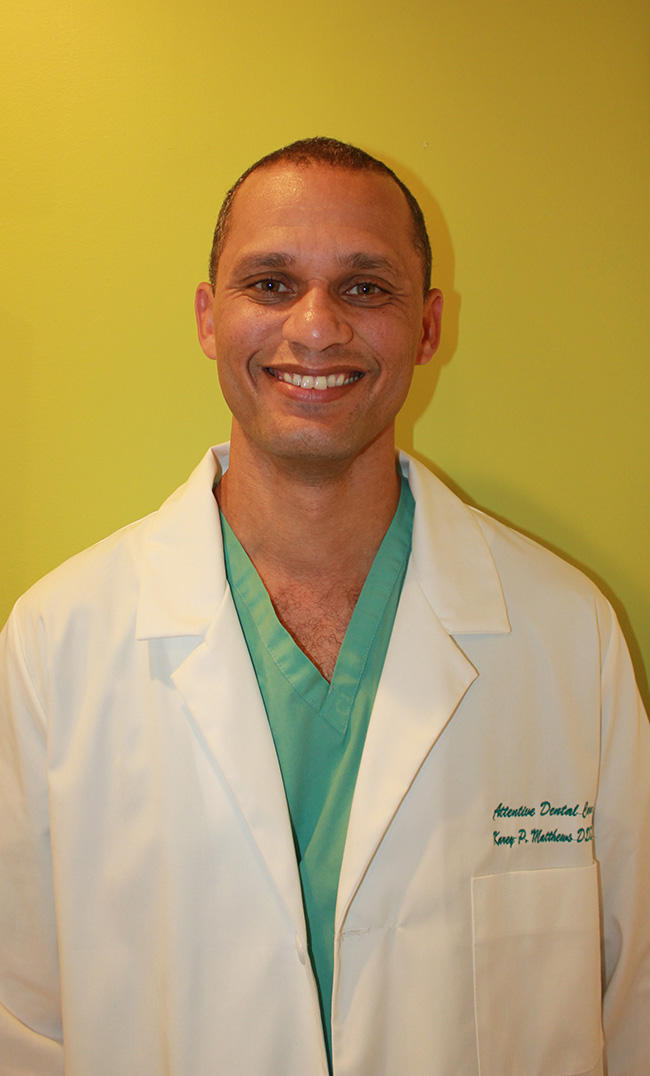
(537, 980)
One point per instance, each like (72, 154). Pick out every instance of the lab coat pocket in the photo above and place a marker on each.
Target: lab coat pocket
(537, 983)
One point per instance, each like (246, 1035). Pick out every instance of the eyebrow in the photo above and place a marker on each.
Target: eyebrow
(359, 260)
(364, 260)
(256, 263)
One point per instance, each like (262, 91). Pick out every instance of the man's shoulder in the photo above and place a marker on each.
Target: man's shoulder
(529, 573)
(89, 580)
(106, 577)
(514, 552)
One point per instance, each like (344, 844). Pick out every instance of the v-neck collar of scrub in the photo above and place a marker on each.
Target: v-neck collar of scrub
(332, 702)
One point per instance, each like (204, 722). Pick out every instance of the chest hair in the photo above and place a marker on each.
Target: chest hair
(317, 619)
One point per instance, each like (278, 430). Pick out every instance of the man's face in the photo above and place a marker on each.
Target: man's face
(317, 318)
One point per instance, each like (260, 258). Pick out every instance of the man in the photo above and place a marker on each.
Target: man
(318, 767)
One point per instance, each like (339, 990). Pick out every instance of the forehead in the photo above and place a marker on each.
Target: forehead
(311, 206)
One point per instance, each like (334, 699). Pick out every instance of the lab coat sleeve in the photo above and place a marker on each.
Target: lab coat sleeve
(30, 1007)
(622, 848)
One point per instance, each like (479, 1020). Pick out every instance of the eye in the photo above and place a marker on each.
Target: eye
(365, 287)
(366, 293)
(269, 286)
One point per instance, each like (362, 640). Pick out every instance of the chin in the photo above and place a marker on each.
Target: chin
(321, 448)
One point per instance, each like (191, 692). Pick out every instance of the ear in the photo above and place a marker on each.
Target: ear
(203, 303)
(431, 322)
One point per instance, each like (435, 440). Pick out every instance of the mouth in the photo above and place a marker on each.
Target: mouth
(317, 382)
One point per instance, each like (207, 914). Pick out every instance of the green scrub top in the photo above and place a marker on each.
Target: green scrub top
(319, 728)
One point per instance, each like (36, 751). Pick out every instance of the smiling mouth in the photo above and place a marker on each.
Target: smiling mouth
(320, 382)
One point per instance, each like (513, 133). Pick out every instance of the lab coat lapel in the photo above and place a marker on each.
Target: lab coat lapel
(451, 588)
(425, 676)
(219, 687)
(185, 602)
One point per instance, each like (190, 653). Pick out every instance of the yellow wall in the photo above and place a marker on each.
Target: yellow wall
(123, 124)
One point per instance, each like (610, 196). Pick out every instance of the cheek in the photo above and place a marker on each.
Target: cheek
(397, 352)
(239, 338)
(393, 337)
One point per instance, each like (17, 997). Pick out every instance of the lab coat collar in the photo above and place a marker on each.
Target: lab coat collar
(452, 559)
(184, 580)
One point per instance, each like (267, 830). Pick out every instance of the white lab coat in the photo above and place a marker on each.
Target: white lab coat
(150, 905)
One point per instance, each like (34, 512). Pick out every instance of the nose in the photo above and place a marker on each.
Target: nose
(316, 320)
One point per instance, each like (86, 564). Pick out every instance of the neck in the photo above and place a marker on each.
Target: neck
(310, 521)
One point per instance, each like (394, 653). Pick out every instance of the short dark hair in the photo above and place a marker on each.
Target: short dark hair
(336, 154)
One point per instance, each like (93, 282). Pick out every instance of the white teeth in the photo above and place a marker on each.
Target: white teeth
(320, 382)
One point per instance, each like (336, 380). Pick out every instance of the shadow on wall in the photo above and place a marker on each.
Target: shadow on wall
(427, 381)
(443, 273)
(623, 618)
